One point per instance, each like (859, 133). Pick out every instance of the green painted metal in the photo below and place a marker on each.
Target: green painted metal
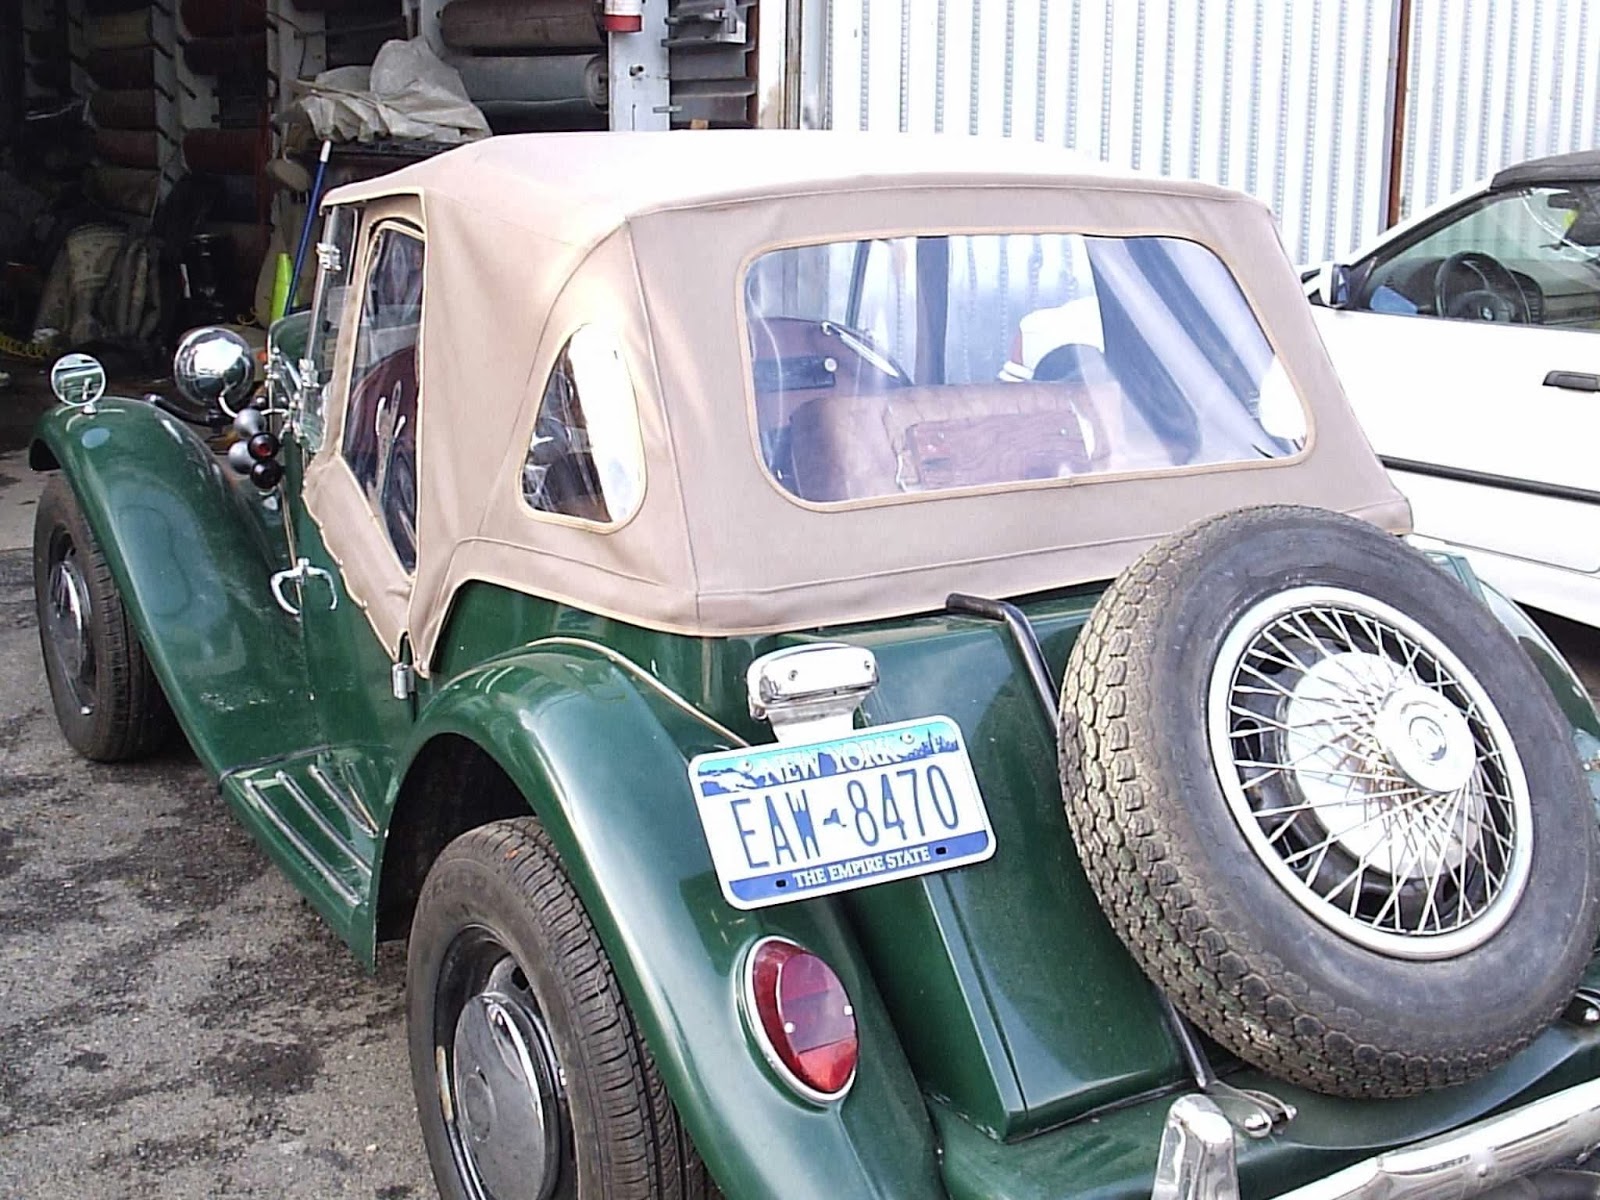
(600, 753)
(191, 547)
(1014, 999)
(995, 998)
(1112, 1156)
(311, 811)
(347, 668)
(1061, 1019)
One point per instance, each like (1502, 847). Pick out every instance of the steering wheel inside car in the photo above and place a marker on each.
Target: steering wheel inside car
(862, 345)
(1499, 297)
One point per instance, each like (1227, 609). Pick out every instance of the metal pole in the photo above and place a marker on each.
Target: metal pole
(1399, 69)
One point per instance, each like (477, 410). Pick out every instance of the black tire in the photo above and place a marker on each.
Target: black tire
(503, 886)
(108, 702)
(1189, 895)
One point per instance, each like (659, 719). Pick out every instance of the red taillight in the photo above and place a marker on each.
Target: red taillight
(803, 1018)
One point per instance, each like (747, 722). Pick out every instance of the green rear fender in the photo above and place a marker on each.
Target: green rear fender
(600, 752)
(192, 551)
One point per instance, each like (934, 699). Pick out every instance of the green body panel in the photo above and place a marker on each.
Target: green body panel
(192, 547)
(347, 668)
(311, 812)
(1112, 1157)
(997, 1008)
(1014, 999)
(1062, 1020)
(600, 754)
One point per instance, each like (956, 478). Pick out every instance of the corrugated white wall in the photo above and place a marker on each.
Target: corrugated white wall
(1494, 82)
(1286, 99)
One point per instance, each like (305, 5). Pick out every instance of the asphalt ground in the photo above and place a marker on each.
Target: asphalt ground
(174, 1020)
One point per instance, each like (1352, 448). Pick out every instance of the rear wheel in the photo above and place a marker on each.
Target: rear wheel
(532, 1081)
(108, 702)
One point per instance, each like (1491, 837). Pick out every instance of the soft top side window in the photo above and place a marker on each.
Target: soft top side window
(586, 457)
(380, 428)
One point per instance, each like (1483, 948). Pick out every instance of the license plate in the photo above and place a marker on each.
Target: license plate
(889, 802)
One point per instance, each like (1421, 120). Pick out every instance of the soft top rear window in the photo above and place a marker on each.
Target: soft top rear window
(923, 364)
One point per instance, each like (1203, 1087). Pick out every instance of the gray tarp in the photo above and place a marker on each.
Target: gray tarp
(408, 92)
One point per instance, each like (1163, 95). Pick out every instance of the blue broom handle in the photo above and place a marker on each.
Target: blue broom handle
(312, 201)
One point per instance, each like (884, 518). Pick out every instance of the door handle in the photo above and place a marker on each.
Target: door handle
(299, 573)
(1573, 381)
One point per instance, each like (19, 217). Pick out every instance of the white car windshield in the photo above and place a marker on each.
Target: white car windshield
(930, 363)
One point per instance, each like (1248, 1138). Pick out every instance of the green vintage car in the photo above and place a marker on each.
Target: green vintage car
(643, 584)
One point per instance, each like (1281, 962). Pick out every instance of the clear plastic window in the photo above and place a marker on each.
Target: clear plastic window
(930, 363)
(380, 429)
(336, 264)
(585, 458)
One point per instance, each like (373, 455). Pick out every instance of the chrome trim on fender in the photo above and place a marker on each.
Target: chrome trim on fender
(1194, 1163)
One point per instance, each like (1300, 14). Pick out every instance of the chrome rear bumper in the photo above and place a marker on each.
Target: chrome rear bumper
(1197, 1154)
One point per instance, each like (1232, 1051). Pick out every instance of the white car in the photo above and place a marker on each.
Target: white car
(1468, 341)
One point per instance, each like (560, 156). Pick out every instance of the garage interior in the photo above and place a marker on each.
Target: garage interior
(156, 156)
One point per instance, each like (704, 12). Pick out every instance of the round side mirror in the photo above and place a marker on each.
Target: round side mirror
(214, 368)
(78, 380)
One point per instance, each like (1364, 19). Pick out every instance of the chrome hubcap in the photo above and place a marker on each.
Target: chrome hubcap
(1370, 773)
(67, 627)
(502, 1094)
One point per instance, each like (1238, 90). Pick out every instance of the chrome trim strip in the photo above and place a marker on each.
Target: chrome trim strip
(252, 793)
(1197, 1162)
(627, 664)
(1475, 1158)
(357, 815)
(299, 796)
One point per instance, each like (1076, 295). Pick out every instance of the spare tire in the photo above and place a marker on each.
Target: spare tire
(1329, 804)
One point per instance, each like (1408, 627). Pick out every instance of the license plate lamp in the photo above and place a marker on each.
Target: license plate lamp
(811, 692)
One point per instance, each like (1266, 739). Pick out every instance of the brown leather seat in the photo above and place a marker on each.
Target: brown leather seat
(951, 436)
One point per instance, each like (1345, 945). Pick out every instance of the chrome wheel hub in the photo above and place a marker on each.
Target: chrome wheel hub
(502, 1093)
(1427, 740)
(1370, 773)
(66, 620)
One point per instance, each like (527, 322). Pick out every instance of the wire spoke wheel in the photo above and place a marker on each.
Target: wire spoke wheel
(1327, 798)
(1370, 772)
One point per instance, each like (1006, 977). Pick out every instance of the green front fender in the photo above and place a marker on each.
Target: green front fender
(600, 752)
(192, 551)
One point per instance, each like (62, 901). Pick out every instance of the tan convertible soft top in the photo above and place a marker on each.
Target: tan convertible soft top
(530, 237)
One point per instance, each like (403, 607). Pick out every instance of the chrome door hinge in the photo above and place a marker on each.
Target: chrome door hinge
(402, 680)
